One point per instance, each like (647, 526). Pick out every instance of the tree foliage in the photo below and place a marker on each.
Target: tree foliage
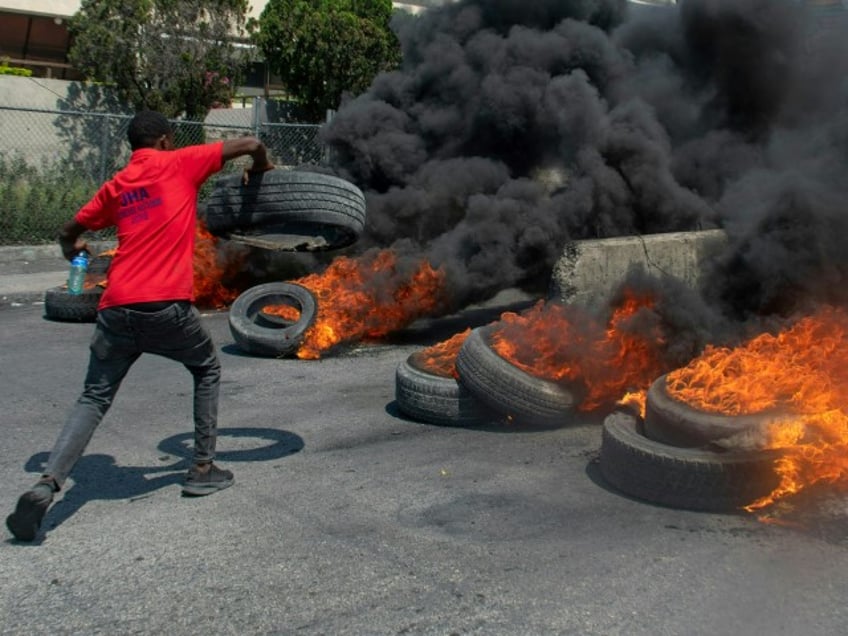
(324, 48)
(179, 57)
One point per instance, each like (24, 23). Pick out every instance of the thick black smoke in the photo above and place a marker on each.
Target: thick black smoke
(516, 126)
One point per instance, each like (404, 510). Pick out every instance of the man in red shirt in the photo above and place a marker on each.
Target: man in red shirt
(148, 305)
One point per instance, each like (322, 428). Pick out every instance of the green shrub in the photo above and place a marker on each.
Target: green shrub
(5, 69)
(36, 200)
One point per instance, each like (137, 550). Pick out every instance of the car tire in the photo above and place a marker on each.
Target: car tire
(673, 422)
(271, 338)
(64, 307)
(688, 478)
(291, 210)
(434, 398)
(508, 391)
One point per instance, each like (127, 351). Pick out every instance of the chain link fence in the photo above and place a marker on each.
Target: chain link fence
(53, 161)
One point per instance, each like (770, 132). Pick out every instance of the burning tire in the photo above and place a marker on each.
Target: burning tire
(508, 390)
(287, 210)
(65, 307)
(256, 334)
(432, 398)
(687, 478)
(673, 422)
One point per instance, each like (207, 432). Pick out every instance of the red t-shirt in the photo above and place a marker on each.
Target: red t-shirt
(153, 203)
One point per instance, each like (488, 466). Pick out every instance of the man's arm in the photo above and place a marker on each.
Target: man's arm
(70, 241)
(248, 146)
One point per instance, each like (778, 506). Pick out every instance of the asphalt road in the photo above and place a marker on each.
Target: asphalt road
(347, 518)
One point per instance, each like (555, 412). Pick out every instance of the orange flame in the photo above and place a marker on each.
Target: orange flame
(367, 298)
(286, 312)
(209, 271)
(801, 373)
(637, 400)
(440, 359)
(561, 344)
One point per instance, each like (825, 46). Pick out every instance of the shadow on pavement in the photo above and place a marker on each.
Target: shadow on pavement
(820, 513)
(98, 477)
(282, 443)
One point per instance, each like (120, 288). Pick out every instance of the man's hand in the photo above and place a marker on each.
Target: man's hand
(70, 241)
(252, 146)
(254, 169)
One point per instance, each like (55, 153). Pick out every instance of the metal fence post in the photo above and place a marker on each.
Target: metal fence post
(256, 102)
(104, 146)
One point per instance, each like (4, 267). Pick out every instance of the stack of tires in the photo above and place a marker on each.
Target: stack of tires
(682, 457)
(282, 210)
(427, 388)
(485, 389)
(677, 456)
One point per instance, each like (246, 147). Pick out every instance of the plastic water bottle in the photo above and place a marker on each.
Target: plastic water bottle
(76, 277)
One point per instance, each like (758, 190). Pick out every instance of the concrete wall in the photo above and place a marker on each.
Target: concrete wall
(36, 92)
(47, 137)
(589, 271)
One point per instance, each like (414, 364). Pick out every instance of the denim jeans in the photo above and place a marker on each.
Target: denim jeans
(122, 334)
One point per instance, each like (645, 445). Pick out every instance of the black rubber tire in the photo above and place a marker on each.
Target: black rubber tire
(320, 212)
(676, 423)
(687, 478)
(434, 399)
(507, 390)
(261, 337)
(62, 306)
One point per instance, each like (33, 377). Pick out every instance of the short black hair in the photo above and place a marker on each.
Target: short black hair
(146, 127)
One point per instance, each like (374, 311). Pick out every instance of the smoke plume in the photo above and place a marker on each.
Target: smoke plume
(515, 127)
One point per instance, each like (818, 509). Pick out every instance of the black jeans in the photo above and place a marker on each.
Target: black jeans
(122, 334)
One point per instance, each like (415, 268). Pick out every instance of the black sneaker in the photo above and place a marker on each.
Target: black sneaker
(204, 479)
(32, 506)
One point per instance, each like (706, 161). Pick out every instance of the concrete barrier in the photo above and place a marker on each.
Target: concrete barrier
(589, 271)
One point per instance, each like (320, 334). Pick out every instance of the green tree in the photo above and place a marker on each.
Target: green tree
(324, 48)
(179, 57)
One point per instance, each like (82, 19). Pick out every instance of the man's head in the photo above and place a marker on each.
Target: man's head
(149, 129)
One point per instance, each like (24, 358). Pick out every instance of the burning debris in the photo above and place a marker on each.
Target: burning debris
(512, 130)
(799, 376)
(367, 298)
(563, 344)
(440, 358)
(213, 264)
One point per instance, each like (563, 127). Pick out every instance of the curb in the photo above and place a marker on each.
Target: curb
(13, 253)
